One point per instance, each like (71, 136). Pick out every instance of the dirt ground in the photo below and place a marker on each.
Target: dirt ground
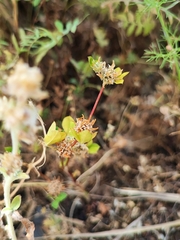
(137, 181)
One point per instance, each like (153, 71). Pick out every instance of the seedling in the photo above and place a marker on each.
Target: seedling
(19, 118)
(77, 136)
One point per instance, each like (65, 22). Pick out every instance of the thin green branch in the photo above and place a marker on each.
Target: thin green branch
(7, 187)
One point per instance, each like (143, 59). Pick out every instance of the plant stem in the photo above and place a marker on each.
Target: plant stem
(96, 103)
(15, 142)
(10, 227)
(8, 179)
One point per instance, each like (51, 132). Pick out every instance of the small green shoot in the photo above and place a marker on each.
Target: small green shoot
(61, 197)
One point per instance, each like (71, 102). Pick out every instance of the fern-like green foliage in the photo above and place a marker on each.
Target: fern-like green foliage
(100, 35)
(38, 41)
(166, 51)
(131, 15)
(137, 23)
(164, 54)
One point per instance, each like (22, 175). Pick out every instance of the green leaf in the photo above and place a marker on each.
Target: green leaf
(139, 30)
(93, 148)
(39, 57)
(91, 61)
(68, 28)
(84, 136)
(54, 135)
(23, 37)
(59, 25)
(83, 68)
(68, 124)
(61, 197)
(100, 35)
(130, 29)
(16, 202)
(119, 79)
(8, 149)
(45, 33)
(36, 3)
(96, 65)
(124, 18)
(15, 43)
(42, 51)
(75, 23)
(3, 43)
(6, 210)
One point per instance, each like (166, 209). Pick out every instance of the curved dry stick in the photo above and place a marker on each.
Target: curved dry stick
(166, 197)
(96, 166)
(116, 232)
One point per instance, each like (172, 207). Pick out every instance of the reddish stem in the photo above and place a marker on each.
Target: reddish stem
(96, 103)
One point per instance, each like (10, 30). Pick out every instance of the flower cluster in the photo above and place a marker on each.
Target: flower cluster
(10, 163)
(25, 83)
(17, 117)
(55, 187)
(16, 113)
(108, 74)
(84, 124)
(65, 147)
(75, 137)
